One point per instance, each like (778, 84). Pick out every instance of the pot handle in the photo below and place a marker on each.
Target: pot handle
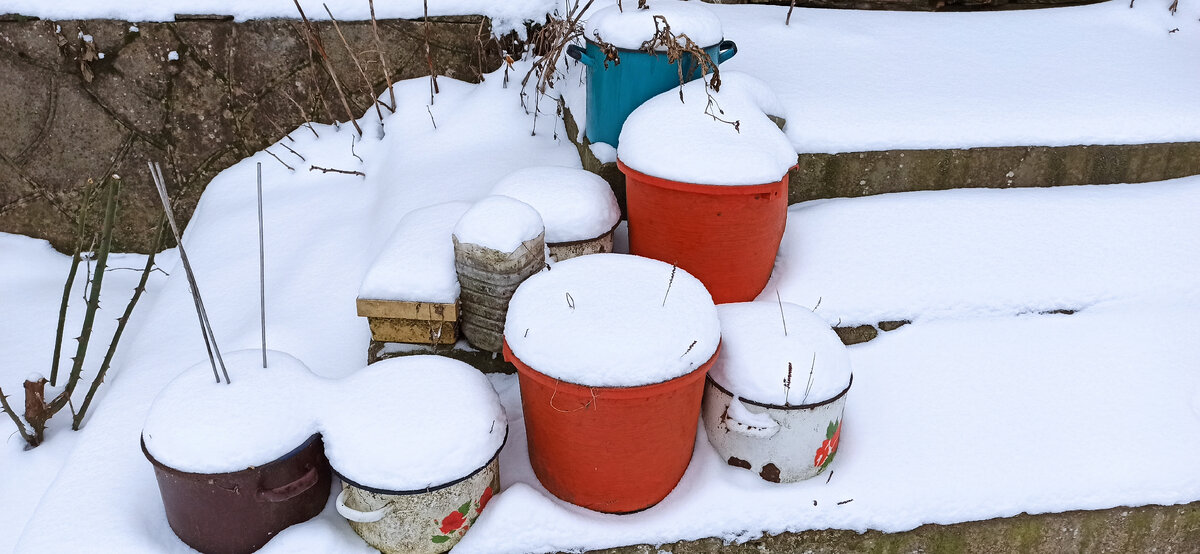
(290, 490)
(577, 52)
(357, 516)
(743, 428)
(727, 49)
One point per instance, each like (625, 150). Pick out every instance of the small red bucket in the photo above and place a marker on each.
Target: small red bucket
(610, 449)
(727, 236)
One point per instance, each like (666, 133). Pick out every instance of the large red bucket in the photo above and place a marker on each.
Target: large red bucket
(610, 449)
(727, 236)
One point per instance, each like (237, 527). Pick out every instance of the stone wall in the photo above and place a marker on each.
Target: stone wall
(87, 101)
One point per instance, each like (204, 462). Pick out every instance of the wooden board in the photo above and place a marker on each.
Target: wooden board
(411, 322)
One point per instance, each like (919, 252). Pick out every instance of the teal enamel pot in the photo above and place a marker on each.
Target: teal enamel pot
(614, 89)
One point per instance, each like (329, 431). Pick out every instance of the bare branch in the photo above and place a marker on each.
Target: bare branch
(334, 170)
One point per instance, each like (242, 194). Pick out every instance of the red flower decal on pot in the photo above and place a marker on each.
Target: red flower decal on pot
(828, 448)
(453, 522)
(483, 500)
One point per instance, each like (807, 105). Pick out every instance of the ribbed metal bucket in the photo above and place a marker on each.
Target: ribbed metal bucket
(488, 279)
(426, 521)
(240, 511)
(615, 90)
(800, 447)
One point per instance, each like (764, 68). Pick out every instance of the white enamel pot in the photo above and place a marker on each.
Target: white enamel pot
(799, 445)
(427, 521)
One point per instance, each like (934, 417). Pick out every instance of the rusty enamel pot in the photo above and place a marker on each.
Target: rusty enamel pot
(797, 443)
(426, 521)
(240, 511)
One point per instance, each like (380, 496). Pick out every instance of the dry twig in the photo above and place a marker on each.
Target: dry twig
(314, 39)
(334, 170)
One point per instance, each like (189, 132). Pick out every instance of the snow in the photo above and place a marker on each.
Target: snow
(686, 142)
(172, 56)
(197, 425)
(500, 223)
(612, 320)
(412, 422)
(983, 407)
(997, 252)
(631, 27)
(417, 263)
(574, 204)
(756, 424)
(855, 80)
(508, 15)
(758, 356)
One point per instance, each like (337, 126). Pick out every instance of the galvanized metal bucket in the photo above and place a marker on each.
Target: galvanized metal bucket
(488, 279)
(240, 511)
(800, 445)
(426, 521)
(614, 90)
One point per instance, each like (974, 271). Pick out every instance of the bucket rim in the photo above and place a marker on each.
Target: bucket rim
(591, 42)
(714, 190)
(169, 469)
(611, 230)
(447, 484)
(526, 370)
(830, 400)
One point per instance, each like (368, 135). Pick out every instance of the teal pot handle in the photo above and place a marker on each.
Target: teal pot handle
(580, 54)
(728, 49)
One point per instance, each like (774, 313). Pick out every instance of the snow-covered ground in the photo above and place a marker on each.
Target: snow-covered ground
(980, 408)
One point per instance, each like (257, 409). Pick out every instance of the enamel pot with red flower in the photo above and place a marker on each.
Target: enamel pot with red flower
(418, 452)
(775, 399)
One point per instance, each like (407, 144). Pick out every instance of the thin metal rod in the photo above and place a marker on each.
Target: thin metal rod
(262, 270)
(210, 339)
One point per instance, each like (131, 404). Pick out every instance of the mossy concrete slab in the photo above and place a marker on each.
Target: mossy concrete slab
(1121, 530)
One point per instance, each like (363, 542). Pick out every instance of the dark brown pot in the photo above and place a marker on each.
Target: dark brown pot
(238, 512)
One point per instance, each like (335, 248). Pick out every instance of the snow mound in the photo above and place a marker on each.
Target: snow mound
(199, 426)
(575, 204)
(631, 27)
(601, 320)
(686, 142)
(500, 223)
(412, 422)
(757, 356)
(417, 262)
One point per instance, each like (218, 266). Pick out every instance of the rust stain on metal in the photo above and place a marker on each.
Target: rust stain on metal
(770, 472)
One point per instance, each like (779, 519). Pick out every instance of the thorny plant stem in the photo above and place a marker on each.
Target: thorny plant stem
(93, 303)
(307, 118)
(121, 321)
(333, 170)
(80, 234)
(433, 86)
(268, 150)
(29, 439)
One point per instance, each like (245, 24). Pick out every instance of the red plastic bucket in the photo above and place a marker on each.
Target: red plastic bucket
(727, 236)
(610, 449)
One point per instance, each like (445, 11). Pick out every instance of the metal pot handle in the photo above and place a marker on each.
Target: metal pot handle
(727, 49)
(290, 490)
(577, 52)
(743, 428)
(357, 516)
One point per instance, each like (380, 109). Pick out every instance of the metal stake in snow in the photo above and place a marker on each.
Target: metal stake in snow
(262, 271)
(210, 340)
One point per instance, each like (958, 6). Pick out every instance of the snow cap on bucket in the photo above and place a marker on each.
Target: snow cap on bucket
(612, 320)
(756, 353)
(575, 204)
(628, 29)
(199, 426)
(413, 422)
(696, 141)
(500, 223)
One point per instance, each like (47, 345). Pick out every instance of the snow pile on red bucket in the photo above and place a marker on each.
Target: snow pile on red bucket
(706, 182)
(408, 454)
